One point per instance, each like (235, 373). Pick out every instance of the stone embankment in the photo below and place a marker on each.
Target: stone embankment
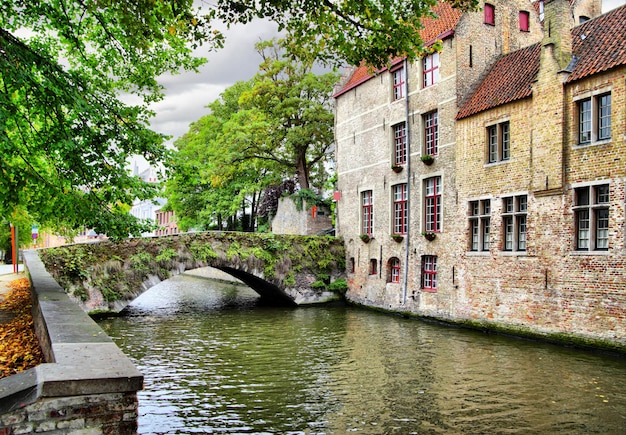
(87, 385)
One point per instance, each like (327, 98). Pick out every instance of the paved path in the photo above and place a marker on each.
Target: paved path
(6, 269)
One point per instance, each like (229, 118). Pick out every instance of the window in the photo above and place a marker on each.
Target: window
(429, 272)
(399, 135)
(430, 67)
(398, 83)
(432, 204)
(400, 222)
(352, 265)
(591, 212)
(431, 134)
(584, 121)
(604, 117)
(498, 142)
(373, 266)
(594, 119)
(394, 270)
(480, 220)
(367, 213)
(524, 20)
(490, 14)
(514, 212)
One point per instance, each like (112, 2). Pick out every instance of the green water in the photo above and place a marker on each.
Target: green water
(216, 361)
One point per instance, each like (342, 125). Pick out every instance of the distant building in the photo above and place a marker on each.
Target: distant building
(166, 223)
(147, 209)
(486, 181)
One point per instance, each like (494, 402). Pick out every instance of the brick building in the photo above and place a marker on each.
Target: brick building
(518, 221)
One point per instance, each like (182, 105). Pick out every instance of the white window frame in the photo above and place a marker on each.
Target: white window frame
(592, 219)
(596, 118)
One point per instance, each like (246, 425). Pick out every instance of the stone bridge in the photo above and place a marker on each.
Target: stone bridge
(287, 269)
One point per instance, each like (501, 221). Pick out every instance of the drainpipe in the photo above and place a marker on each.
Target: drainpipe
(408, 182)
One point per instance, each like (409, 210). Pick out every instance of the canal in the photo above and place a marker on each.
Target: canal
(217, 361)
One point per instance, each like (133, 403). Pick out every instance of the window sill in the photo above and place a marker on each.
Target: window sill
(429, 290)
(513, 253)
(593, 143)
(499, 162)
(478, 253)
(590, 253)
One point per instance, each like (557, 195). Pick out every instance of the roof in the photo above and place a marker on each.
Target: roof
(510, 79)
(597, 45)
(434, 29)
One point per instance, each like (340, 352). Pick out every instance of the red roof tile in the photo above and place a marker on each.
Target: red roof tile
(434, 29)
(599, 44)
(510, 79)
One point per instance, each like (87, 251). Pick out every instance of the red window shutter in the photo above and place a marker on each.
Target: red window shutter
(489, 14)
(523, 21)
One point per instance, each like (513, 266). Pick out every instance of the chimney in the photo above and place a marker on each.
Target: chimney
(557, 24)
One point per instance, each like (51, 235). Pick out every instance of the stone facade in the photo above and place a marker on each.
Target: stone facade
(305, 222)
(114, 413)
(505, 250)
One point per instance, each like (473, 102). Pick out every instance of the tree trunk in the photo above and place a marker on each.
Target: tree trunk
(302, 169)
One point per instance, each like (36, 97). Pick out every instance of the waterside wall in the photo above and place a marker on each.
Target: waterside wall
(87, 385)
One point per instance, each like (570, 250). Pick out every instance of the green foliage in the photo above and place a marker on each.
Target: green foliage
(290, 279)
(80, 293)
(167, 254)
(323, 277)
(319, 285)
(71, 261)
(353, 30)
(275, 127)
(339, 285)
(307, 197)
(202, 251)
(141, 262)
(66, 136)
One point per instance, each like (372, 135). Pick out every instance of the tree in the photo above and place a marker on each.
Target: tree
(66, 135)
(287, 116)
(276, 127)
(208, 186)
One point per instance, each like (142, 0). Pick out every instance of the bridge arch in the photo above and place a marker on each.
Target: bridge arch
(286, 269)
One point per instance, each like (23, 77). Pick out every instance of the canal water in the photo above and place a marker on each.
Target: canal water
(217, 361)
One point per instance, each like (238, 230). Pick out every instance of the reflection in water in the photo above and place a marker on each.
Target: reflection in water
(215, 361)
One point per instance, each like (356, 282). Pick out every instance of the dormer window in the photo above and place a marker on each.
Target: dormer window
(490, 14)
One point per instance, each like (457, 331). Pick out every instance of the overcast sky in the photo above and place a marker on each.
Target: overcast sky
(189, 94)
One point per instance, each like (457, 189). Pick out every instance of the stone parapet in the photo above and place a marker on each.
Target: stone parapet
(87, 385)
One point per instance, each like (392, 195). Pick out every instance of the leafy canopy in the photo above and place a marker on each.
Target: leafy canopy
(65, 133)
(374, 31)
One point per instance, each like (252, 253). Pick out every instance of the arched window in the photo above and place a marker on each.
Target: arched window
(393, 270)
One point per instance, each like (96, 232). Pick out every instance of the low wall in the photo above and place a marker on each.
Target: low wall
(87, 385)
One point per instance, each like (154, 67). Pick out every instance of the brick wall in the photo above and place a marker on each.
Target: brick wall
(548, 289)
(114, 413)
